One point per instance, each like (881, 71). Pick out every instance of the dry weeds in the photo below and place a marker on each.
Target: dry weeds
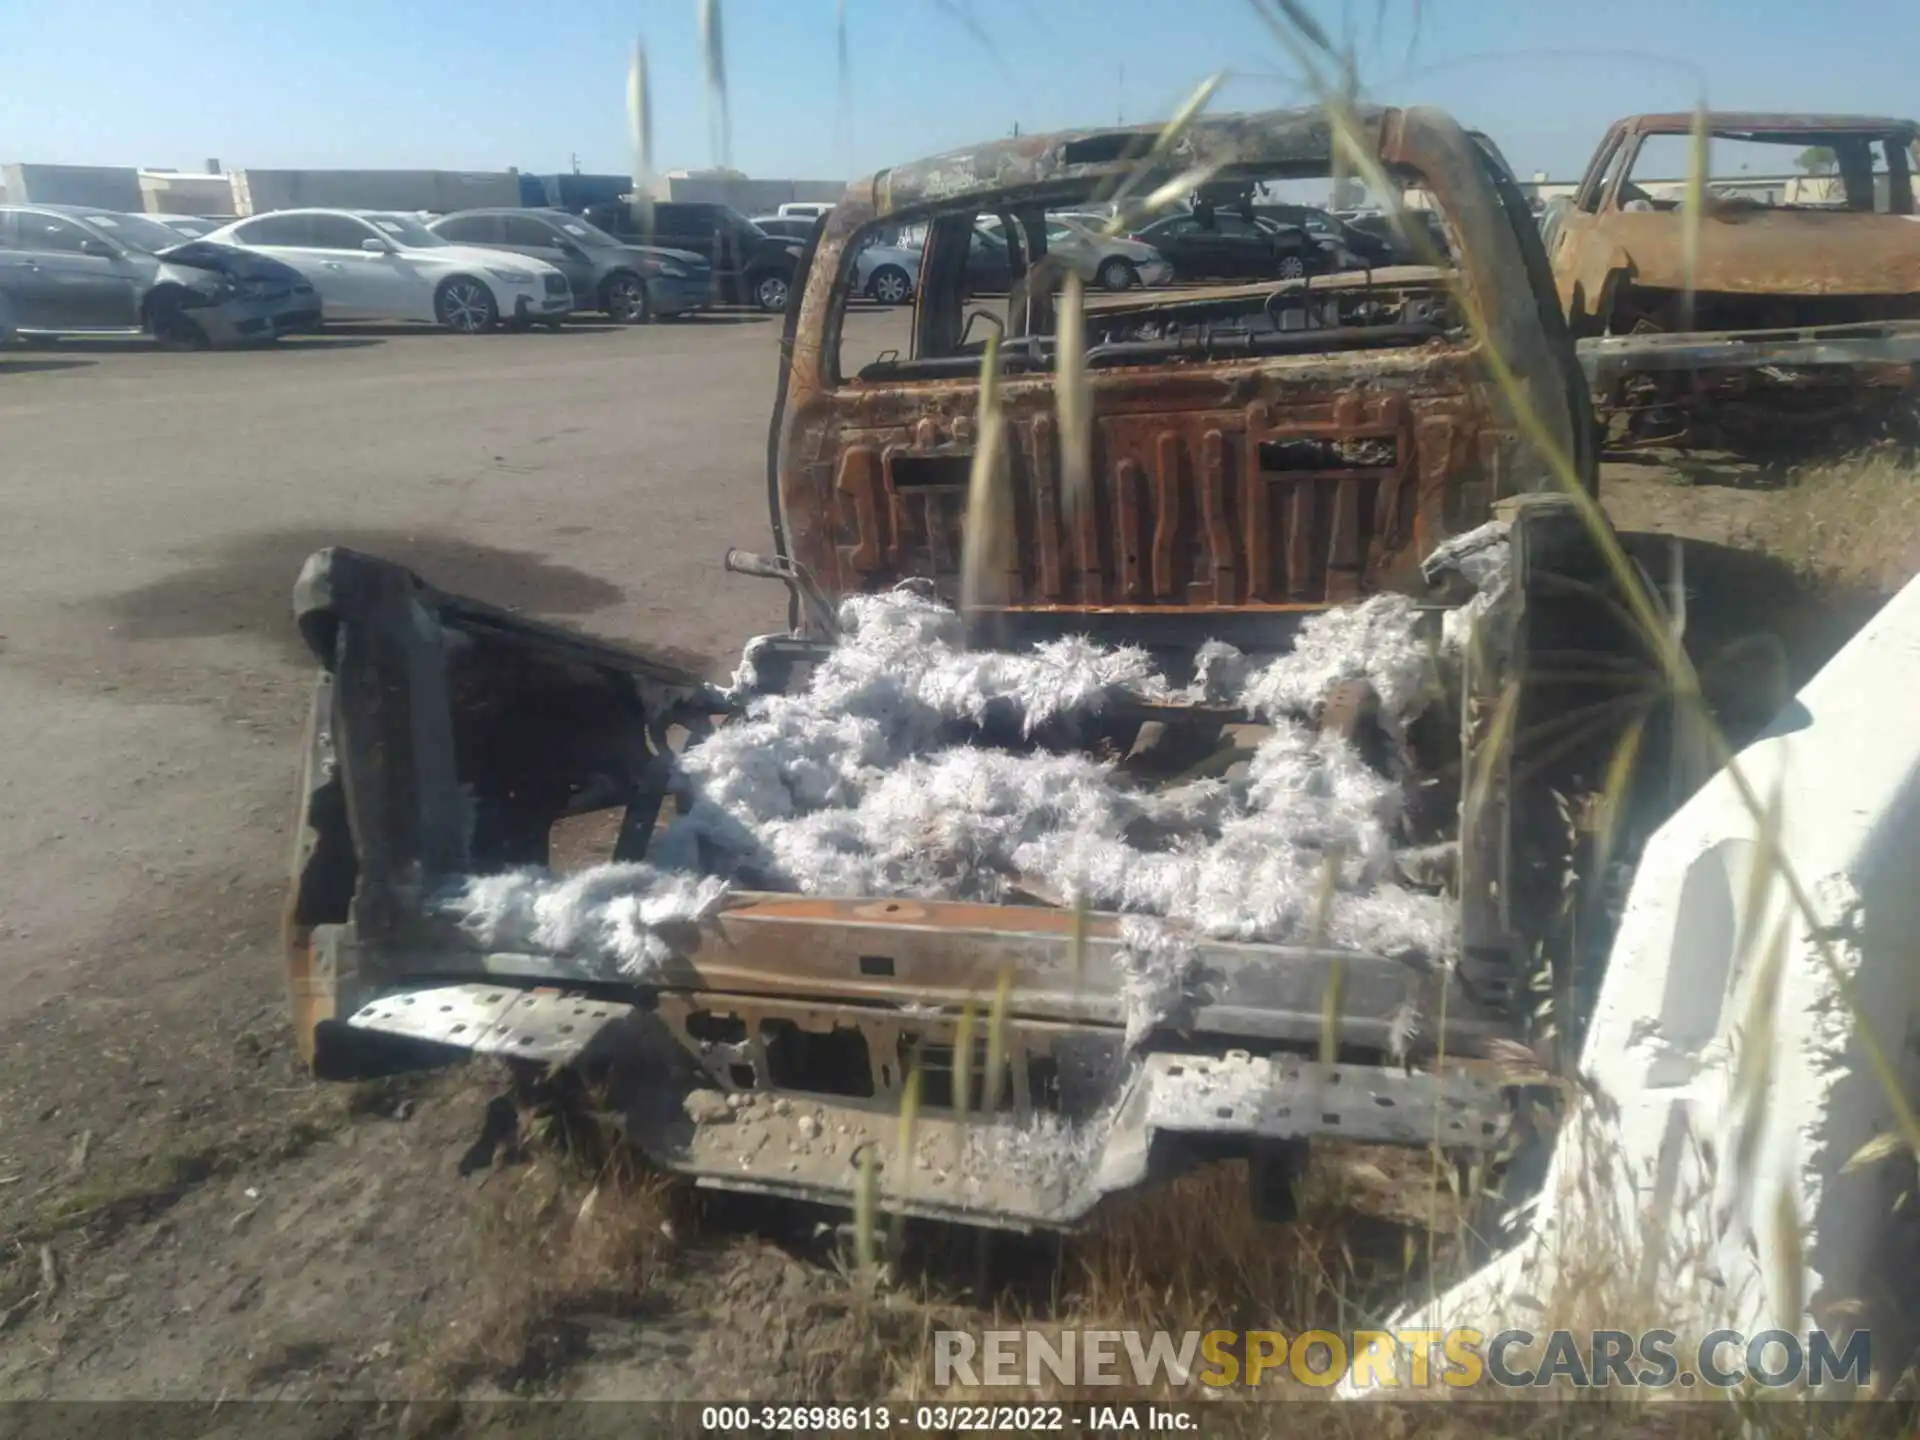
(554, 1240)
(1852, 524)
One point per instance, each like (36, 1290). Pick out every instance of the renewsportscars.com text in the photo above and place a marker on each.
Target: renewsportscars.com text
(1394, 1359)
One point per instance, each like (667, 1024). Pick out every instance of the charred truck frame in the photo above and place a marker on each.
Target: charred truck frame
(1261, 453)
(1799, 314)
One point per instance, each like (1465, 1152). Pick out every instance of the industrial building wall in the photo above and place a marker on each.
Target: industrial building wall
(257, 191)
(751, 197)
(174, 192)
(106, 187)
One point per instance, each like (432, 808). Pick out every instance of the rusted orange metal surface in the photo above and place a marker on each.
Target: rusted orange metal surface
(1218, 484)
(1604, 255)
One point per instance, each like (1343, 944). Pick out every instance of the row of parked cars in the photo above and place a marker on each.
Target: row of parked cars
(190, 282)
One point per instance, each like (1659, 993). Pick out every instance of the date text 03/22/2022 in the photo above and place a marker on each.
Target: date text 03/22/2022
(945, 1419)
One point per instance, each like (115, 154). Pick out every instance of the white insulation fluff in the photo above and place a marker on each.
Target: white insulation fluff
(864, 784)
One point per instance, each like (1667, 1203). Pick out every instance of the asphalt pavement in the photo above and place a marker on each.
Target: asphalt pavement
(158, 508)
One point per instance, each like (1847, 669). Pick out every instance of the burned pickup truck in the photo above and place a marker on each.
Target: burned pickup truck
(1227, 824)
(1804, 304)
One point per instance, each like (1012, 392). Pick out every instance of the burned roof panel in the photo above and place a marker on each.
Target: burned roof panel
(1759, 123)
(1271, 142)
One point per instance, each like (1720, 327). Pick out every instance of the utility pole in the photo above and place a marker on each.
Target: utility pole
(1120, 98)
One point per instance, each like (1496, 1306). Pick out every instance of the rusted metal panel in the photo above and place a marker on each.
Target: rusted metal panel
(1756, 250)
(1885, 352)
(727, 1101)
(1182, 515)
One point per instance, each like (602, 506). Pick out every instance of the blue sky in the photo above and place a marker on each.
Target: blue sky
(485, 84)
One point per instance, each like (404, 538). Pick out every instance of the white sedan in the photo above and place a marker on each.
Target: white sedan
(376, 264)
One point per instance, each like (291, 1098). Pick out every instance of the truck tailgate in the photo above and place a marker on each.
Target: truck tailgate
(448, 738)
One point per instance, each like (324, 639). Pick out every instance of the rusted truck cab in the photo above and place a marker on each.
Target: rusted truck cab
(1799, 301)
(1261, 452)
(1257, 449)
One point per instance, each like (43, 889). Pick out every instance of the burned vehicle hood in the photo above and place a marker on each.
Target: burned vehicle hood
(232, 262)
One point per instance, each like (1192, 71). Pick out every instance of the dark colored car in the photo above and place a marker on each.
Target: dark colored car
(630, 283)
(73, 270)
(1226, 245)
(749, 266)
(1346, 247)
(1423, 239)
(786, 227)
(989, 267)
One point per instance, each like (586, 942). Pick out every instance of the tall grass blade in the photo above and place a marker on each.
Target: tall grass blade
(963, 1063)
(989, 523)
(1180, 186)
(713, 52)
(997, 1042)
(1790, 1254)
(1169, 136)
(866, 1249)
(1073, 399)
(1077, 941)
(1331, 999)
(909, 1122)
(640, 138)
(1874, 1151)
(1695, 212)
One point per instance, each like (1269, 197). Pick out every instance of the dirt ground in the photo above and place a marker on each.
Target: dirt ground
(183, 1213)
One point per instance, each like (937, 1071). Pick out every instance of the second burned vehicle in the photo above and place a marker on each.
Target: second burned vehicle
(1799, 303)
(859, 873)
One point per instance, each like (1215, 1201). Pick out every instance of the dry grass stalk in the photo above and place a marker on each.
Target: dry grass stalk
(713, 53)
(1852, 524)
(1337, 975)
(1693, 211)
(989, 509)
(997, 1043)
(1170, 134)
(556, 1242)
(1073, 399)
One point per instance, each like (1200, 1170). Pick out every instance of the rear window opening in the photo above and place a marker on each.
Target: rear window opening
(1844, 172)
(1244, 268)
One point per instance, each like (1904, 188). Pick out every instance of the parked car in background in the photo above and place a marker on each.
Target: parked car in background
(376, 264)
(889, 273)
(1410, 237)
(76, 271)
(191, 227)
(989, 266)
(804, 209)
(749, 266)
(1346, 247)
(1225, 245)
(786, 227)
(629, 283)
(1112, 262)
(9, 331)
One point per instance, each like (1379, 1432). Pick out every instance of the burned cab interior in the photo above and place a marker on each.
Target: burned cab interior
(998, 272)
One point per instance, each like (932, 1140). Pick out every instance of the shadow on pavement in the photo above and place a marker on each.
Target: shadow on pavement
(243, 584)
(721, 317)
(9, 365)
(407, 330)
